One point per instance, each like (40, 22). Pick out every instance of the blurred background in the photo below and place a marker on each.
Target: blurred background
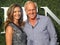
(53, 5)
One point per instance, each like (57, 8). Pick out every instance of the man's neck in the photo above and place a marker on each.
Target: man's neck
(33, 21)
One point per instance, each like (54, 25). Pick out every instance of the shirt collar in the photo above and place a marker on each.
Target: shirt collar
(38, 17)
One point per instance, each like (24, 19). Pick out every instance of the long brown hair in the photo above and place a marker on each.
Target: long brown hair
(10, 12)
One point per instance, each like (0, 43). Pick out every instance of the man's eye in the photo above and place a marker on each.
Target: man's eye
(19, 11)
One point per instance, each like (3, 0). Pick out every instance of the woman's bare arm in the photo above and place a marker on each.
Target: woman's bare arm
(9, 33)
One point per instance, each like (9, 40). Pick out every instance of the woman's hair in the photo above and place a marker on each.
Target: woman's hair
(10, 12)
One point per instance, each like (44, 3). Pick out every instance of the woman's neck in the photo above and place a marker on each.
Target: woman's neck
(16, 22)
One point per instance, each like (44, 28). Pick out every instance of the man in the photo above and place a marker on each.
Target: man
(39, 29)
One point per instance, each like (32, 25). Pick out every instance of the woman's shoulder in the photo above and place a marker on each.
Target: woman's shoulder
(9, 28)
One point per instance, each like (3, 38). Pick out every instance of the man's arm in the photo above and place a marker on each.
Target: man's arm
(52, 32)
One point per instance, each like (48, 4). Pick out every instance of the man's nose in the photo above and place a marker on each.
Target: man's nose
(31, 11)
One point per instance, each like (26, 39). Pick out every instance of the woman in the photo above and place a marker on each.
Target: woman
(13, 26)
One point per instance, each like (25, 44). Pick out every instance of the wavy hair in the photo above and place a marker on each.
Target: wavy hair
(10, 12)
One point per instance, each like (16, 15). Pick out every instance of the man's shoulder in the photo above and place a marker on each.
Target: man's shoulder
(43, 17)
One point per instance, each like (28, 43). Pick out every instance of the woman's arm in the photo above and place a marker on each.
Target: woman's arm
(9, 33)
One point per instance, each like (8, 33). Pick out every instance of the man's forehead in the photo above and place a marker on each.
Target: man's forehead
(30, 5)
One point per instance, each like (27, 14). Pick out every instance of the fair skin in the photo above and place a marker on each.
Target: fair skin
(31, 13)
(9, 29)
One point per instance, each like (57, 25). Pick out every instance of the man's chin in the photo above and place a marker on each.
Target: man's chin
(32, 18)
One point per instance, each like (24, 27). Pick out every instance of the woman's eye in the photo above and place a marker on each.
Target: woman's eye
(14, 12)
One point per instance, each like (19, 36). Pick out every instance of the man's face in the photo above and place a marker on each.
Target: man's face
(31, 11)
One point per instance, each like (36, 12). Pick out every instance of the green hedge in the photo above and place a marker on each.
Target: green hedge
(53, 5)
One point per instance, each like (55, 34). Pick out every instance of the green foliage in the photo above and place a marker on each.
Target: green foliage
(2, 39)
(53, 5)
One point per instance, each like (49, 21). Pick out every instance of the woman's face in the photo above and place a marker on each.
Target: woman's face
(17, 13)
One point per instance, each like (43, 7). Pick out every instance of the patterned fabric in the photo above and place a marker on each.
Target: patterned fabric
(19, 37)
